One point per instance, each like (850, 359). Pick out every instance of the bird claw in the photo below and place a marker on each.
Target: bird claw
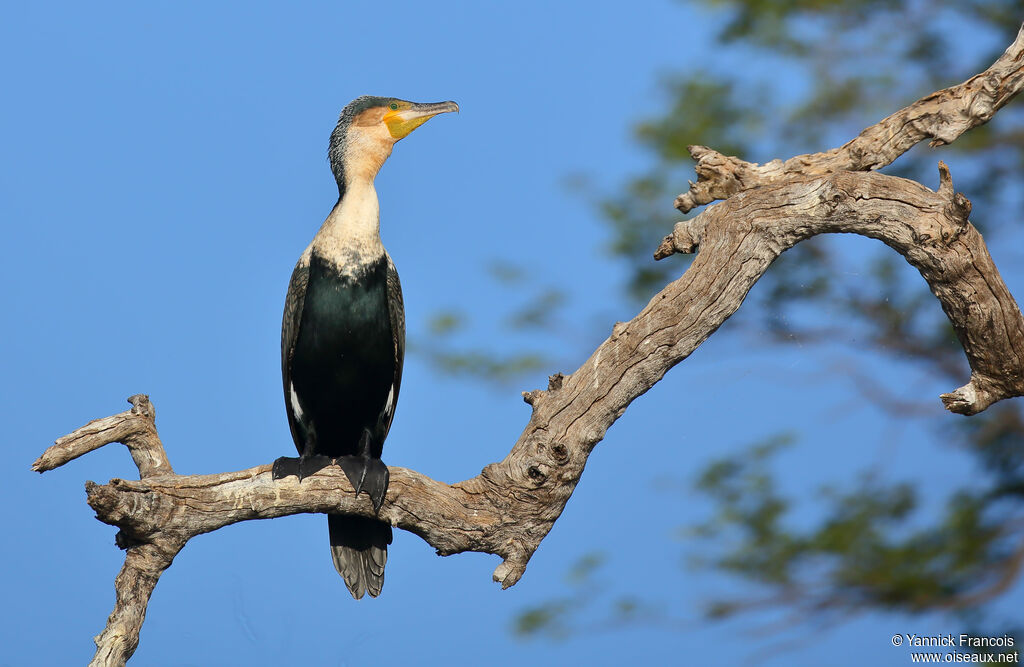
(366, 474)
(284, 466)
(311, 465)
(301, 467)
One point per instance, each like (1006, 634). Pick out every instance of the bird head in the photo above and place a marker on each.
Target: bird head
(368, 129)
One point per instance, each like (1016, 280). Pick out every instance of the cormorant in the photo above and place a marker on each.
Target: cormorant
(343, 335)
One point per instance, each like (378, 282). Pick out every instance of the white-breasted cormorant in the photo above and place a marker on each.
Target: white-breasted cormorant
(343, 335)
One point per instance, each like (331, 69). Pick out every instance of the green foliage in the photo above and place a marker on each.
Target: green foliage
(457, 360)
(538, 311)
(548, 618)
(864, 552)
(544, 618)
(869, 549)
(554, 619)
(701, 112)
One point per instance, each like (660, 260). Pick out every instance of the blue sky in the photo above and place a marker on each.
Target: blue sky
(165, 166)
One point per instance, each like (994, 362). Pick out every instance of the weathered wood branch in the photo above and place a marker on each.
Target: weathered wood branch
(134, 428)
(941, 116)
(741, 236)
(511, 505)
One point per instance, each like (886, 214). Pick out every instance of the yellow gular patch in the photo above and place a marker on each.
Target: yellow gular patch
(400, 127)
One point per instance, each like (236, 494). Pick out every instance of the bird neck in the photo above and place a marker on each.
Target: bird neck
(360, 158)
(353, 226)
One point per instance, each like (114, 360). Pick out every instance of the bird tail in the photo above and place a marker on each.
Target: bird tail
(359, 547)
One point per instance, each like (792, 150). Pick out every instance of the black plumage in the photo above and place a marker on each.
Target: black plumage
(343, 336)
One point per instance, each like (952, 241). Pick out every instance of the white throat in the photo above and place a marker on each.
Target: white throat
(351, 233)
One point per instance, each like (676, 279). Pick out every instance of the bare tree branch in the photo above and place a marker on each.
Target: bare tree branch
(745, 233)
(942, 117)
(133, 428)
(511, 505)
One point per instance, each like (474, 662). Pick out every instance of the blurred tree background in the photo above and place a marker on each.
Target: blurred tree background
(873, 546)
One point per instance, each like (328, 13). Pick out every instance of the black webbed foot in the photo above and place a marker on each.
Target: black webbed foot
(285, 466)
(311, 465)
(301, 467)
(366, 474)
(355, 470)
(376, 482)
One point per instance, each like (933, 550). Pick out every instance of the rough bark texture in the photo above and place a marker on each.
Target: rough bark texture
(511, 505)
(740, 237)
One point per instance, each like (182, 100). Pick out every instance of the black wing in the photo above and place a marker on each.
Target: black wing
(293, 303)
(396, 309)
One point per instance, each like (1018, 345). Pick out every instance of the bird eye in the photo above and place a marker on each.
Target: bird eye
(394, 107)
